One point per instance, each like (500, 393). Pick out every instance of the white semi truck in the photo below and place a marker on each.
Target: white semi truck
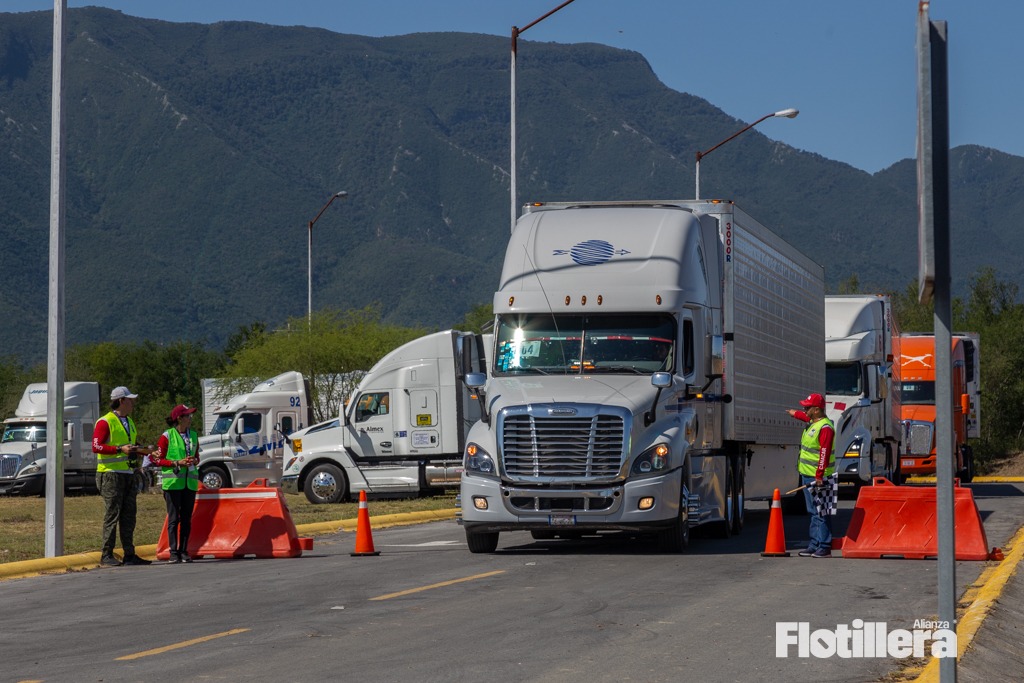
(645, 354)
(862, 387)
(23, 444)
(403, 430)
(247, 439)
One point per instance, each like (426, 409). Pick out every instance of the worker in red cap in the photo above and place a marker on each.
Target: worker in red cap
(178, 454)
(817, 467)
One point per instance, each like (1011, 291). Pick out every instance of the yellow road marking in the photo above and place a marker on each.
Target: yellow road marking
(985, 599)
(437, 585)
(178, 646)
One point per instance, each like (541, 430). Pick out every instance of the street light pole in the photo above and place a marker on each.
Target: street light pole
(785, 113)
(512, 122)
(309, 253)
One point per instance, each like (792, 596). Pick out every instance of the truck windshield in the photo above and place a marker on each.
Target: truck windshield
(223, 423)
(545, 344)
(843, 379)
(33, 433)
(917, 393)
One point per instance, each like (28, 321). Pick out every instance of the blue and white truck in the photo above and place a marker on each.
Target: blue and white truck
(645, 353)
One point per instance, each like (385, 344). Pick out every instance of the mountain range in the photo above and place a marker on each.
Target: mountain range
(197, 155)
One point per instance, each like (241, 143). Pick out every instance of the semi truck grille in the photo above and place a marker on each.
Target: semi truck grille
(555, 447)
(9, 465)
(917, 437)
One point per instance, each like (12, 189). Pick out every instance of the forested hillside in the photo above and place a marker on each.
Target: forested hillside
(197, 154)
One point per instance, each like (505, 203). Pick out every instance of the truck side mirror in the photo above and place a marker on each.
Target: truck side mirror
(475, 380)
(661, 380)
(714, 356)
(70, 432)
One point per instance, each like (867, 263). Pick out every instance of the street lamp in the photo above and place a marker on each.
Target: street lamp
(785, 113)
(512, 124)
(336, 195)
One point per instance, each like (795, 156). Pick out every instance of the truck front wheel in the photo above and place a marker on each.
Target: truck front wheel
(482, 542)
(214, 477)
(325, 484)
(676, 538)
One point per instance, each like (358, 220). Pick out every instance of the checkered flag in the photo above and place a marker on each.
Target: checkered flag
(826, 497)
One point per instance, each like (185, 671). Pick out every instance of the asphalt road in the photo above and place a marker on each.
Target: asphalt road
(609, 609)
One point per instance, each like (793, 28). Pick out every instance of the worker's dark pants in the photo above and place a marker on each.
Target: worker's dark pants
(118, 491)
(820, 529)
(180, 503)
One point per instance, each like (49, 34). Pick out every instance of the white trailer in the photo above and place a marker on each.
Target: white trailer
(862, 387)
(23, 444)
(589, 425)
(246, 441)
(403, 431)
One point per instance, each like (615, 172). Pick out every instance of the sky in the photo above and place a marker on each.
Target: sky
(849, 67)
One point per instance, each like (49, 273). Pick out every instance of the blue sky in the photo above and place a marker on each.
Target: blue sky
(849, 67)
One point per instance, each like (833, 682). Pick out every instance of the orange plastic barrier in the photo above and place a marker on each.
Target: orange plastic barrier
(250, 521)
(900, 521)
(775, 543)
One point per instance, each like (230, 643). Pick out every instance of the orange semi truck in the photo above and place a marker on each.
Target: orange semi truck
(917, 366)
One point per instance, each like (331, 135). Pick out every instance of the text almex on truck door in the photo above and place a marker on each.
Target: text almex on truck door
(23, 445)
(644, 357)
(404, 429)
(247, 440)
(862, 386)
(918, 398)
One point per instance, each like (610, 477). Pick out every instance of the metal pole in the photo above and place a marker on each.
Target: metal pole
(513, 193)
(945, 461)
(512, 140)
(54, 544)
(309, 272)
(696, 190)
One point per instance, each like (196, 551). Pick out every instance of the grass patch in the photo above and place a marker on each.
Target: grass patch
(22, 530)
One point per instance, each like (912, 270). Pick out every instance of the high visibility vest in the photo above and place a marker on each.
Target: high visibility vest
(116, 462)
(176, 450)
(810, 449)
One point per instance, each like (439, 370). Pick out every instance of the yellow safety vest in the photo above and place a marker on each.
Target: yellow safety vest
(176, 450)
(116, 462)
(810, 449)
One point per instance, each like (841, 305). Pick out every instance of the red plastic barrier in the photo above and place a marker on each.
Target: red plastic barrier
(250, 521)
(900, 521)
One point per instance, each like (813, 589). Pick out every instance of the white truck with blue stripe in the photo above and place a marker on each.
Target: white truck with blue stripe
(644, 356)
(247, 439)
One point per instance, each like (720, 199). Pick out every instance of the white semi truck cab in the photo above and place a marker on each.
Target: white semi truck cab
(247, 440)
(23, 444)
(644, 356)
(403, 430)
(862, 386)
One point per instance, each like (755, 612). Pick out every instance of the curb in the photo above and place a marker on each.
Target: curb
(91, 560)
(987, 589)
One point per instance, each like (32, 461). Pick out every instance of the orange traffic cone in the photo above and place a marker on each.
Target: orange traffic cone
(364, 539)
(775, 544)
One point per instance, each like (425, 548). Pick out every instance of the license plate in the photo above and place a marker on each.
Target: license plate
(562, 520)
(908, 463)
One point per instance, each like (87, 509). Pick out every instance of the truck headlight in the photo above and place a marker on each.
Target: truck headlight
(653, 460)
(478, 461)
(853, 450)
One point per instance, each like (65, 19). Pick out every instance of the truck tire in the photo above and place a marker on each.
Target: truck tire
(739, 499)
(676, 539)
(723, 528)
(482, 542)
(214, 477)
(326, 483)
(967, 473)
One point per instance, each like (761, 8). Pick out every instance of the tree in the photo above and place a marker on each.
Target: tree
(478, 319)
(333, 351)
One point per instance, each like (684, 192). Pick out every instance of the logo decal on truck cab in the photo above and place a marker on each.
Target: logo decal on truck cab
(591, 252)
